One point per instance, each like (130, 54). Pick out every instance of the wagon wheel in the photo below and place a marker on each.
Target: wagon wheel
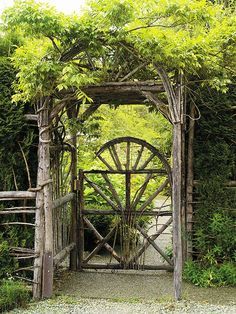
(130, 153)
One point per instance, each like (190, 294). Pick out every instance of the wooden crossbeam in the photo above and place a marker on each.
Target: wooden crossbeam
(100, 238)
(147, 243)
(156, 247)
(100, 245)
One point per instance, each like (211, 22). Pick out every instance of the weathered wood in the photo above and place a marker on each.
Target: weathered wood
(156, 247)
(59, 257)
(120, 266)
(140, 152)
(136, 213)
(105, 163)
(153, 237)
(127, 166)
(190, 182)
(177, 202)
(141, 171)
(141, 191)
(31, 117)
(71, 111)
(17, 223)
(100, 238)
(89, 111)
(154, 195)
(43, 274)
(113, 190)
(100, 192)
(139, 142)
(63, 200)
(144, 165)
(80, 240)
(100, 245)
(22, 211)
(15, 195)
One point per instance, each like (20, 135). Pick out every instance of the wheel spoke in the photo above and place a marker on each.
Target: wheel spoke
(151, 198)
(140, 152)
(113, 190)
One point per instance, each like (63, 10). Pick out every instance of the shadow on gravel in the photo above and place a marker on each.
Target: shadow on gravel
(135, 285)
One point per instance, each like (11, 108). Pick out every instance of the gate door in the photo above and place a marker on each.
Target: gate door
(124, 208)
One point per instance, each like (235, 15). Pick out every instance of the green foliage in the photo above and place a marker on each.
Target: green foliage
(211, 276)
(215, 164)
(13, 294)
(112, 36)
(7, 262)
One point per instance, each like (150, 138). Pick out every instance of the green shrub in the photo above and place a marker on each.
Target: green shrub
(210, 276)
(13, 294)
(7, 263)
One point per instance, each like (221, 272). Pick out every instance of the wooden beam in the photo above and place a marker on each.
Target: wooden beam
(120, 266)
(15, 195)
(57, 259)
(63, 200)
(118, 92)
(136, 213)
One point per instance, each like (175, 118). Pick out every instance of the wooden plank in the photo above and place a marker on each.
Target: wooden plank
(31, 117)
(63, 200)
(15, 195)
(176, 199)
(47, 275)
(17, 223)
(127, 197)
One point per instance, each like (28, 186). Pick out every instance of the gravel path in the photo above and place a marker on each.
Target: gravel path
(92, 306)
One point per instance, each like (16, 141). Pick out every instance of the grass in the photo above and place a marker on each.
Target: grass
(13, 294)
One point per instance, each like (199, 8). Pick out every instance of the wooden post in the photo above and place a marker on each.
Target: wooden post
(190, 178)
(80, 241)
(71, 112)
(176, 109)
(43, 275)
(176, 199)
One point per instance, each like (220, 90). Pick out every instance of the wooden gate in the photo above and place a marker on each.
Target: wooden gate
(131, 175)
